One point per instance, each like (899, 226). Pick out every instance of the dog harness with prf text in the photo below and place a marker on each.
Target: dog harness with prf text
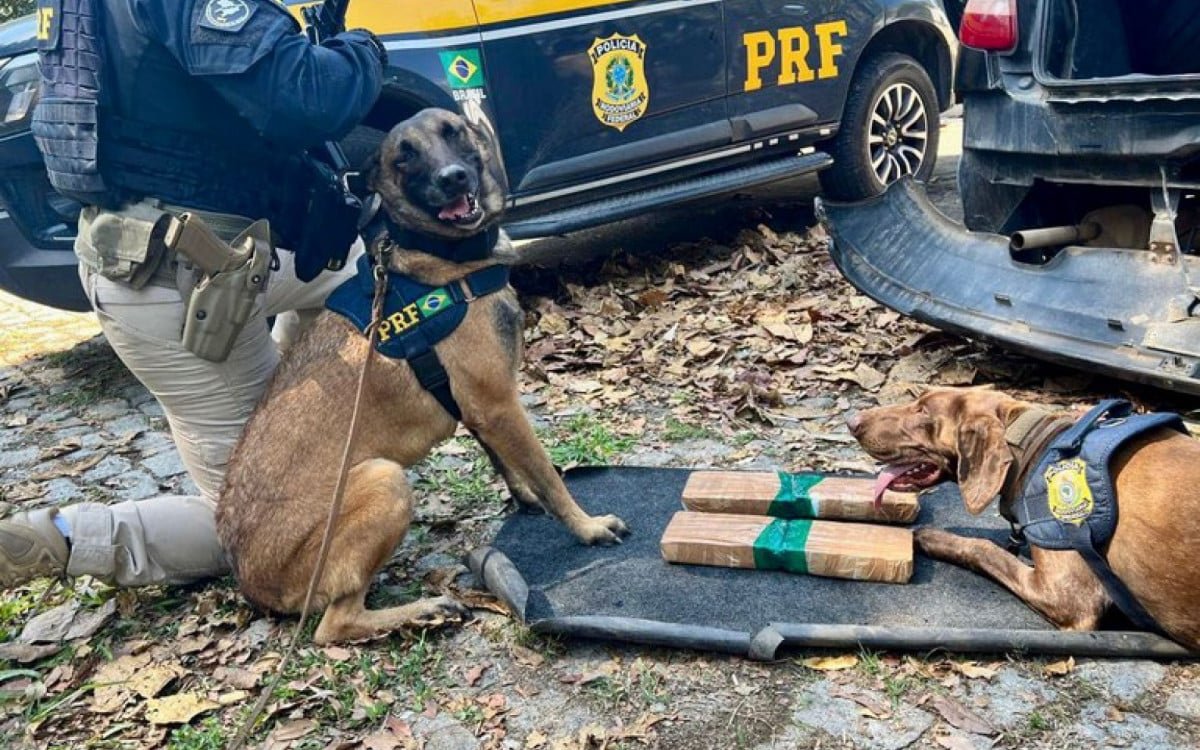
(1068, 501)
(416, 316)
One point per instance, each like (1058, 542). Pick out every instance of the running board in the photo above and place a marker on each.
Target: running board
(632, 204)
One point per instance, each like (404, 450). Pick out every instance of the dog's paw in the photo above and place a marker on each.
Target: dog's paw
(431, 613)
(603, 530)
(936, 543)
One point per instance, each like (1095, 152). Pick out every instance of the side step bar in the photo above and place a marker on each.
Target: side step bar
(630, 205)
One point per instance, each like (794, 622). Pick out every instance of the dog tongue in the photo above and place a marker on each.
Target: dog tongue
(887, 475)
(456, 210)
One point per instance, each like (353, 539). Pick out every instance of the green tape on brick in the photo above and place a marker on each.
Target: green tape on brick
(780, 546)
(794, 499)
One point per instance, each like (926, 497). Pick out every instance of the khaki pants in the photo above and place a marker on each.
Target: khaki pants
(173, 539)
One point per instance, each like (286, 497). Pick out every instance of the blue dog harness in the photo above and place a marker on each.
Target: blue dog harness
(416, 316)
(1068, 500)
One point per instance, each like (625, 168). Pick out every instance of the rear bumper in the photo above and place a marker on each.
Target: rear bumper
(1120, 312)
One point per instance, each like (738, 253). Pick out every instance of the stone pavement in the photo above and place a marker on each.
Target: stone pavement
(74, 424)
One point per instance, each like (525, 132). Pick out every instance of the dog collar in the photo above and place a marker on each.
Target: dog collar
(473, 248)
(1027, 437)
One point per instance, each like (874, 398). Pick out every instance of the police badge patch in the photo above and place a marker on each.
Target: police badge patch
(620, 92)
(1070, 498)
(226, 15)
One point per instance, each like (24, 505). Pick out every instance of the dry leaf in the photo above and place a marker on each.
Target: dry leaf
(475, 673)
(960, 716)
(233, 696)
(527, 656)
(1060, 668)
(26, 653)
(244, 679)
(61, 449)
(536, 740)
(152, 680)
(954, 742)
(178, 709)
(974, 670)
(112, 678)
(292, 730)
(830, 663)
(337, 653)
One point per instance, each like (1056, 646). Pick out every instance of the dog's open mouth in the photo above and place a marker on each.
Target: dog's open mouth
(462, 210)
(907, 477)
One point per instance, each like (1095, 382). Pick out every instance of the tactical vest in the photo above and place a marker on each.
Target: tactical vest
(416, 316)
(67, 114)
(1068, 501)
(121, 119)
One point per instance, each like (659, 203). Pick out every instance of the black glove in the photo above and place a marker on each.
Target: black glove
(374, 41)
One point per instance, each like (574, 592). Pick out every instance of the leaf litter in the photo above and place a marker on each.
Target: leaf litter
(759, 334)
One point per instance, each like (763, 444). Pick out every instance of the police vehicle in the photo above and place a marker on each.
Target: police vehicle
(603, 109)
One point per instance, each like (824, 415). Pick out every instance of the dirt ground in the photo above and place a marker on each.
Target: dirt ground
(732, 344)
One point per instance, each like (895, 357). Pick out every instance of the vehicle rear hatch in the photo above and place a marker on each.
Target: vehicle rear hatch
(1100, 50)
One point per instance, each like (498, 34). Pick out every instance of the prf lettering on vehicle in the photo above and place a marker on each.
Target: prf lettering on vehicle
(791, 53)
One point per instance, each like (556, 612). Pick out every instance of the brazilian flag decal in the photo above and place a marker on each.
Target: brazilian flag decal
(433, 303)
(463, 68)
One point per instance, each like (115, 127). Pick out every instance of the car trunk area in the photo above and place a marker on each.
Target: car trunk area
(1092, 40)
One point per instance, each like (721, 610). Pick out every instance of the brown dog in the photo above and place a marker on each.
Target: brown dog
(436, 177)
(962, 433)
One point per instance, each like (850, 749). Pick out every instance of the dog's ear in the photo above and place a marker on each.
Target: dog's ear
(488, 143)
(983, 461)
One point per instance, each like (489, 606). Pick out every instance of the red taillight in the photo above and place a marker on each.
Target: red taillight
(989, 25)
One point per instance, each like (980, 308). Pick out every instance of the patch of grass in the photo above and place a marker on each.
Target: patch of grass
(678, 431)
(207, 735)
(472, 483)
(652, 689)
(870, 663)
(1038, 722)
(609, 691)
(415, 670)
(15, 606)
(469, 714)
(584, 440)
(743, 438)
(897, 687)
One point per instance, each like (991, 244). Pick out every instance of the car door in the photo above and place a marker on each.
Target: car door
(790, 61)
(585, 89)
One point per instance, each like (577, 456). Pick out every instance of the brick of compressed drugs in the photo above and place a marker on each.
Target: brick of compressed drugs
(800, 495)
(858, 551)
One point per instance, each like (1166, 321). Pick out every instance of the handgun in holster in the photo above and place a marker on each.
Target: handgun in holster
(234, 274)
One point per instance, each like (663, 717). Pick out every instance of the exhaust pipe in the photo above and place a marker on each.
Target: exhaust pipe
(1030, 239)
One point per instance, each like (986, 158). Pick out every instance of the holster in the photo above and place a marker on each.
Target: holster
(234, 274)
(329, 226)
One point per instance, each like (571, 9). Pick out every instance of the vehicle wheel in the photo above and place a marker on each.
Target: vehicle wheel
(889, 129)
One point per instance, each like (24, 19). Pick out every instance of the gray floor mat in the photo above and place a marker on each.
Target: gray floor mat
(629, 593)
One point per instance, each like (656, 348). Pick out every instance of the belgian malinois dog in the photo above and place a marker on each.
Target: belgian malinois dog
(437, 178)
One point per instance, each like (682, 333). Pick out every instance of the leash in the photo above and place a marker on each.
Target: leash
(335, 507)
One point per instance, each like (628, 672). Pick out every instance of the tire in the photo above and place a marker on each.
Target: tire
(870, 153)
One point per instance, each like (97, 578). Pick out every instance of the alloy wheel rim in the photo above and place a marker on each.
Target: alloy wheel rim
(898, 133)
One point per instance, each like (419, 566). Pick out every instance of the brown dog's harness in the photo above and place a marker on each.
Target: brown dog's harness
(1059, 492)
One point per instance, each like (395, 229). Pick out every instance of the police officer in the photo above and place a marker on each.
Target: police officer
(173, 106)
